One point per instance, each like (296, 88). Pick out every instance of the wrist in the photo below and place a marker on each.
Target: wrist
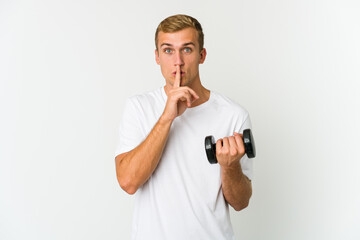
(235, 166)
(165, 120)
(233, 172)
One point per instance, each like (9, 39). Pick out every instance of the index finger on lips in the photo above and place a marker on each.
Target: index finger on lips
(177, 77)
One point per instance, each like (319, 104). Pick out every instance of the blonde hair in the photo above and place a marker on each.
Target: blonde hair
(179, 22)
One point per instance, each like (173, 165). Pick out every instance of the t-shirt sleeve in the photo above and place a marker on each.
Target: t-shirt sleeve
(246, 163)
(129, 135)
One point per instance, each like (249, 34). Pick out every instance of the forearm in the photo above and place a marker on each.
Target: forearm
(236, 187)
(136, 167)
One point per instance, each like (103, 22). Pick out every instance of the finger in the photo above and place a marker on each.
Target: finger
(239, 141)
(188, 99)
(218, 145)
(186, 93)
(236, 133)
(183, 97)
(226, 144)
(233, 146)
(192, 96)
(189, 90)
(193, 93)
(177, 77)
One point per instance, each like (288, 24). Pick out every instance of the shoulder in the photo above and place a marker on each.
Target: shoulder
(146, 98)
(223, 102)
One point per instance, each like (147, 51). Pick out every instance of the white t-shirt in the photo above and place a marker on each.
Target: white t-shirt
(183, 198)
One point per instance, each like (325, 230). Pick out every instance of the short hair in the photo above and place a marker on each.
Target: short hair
(179, 22)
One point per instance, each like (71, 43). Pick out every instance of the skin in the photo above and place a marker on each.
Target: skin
(179, 56)
(181, 49)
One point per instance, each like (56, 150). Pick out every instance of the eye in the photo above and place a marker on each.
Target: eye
(167, 50)
(187, 50)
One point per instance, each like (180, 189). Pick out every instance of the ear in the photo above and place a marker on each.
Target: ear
(157, 57)
(202, 56)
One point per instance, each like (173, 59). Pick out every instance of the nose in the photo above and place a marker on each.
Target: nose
(179, 59)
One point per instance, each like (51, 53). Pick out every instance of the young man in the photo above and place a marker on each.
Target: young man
(161, 154)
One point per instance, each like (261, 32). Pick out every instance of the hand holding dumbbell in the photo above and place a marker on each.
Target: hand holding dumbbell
(249, 144)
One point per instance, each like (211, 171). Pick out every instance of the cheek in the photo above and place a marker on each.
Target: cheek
(193, 64)
(194, 60)
(165, 64)
(165, 68)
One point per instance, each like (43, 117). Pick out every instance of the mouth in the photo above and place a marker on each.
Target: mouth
(181, 73)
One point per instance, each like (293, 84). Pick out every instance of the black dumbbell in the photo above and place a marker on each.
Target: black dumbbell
(210, 146)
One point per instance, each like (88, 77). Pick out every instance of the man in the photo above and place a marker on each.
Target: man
(161, 154)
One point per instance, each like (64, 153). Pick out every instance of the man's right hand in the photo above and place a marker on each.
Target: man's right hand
(179, 98)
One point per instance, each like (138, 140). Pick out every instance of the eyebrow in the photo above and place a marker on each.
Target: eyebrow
(170, 45)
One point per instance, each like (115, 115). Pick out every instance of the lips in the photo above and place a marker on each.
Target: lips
(181, 73)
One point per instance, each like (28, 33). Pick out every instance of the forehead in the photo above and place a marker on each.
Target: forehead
(179, 38)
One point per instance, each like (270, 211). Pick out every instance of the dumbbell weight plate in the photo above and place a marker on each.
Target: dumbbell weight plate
(210, 149)
(249, 143)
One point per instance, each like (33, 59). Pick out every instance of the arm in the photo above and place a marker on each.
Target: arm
(135, 167)
(236, 186)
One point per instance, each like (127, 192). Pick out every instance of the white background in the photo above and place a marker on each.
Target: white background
(66, 68)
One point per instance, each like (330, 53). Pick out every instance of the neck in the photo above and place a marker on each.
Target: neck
(204, 95)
